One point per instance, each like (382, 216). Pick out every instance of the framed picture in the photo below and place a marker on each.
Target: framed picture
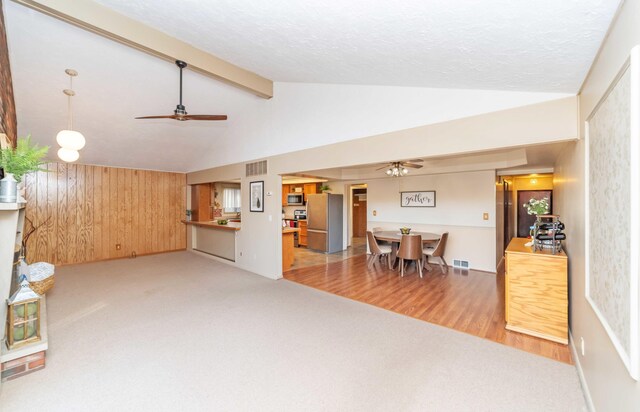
(256, 195)
(418, 199)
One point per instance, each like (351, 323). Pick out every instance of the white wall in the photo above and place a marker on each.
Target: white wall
(608, 381)
(259, 239)
(302, 116)
(461, 200)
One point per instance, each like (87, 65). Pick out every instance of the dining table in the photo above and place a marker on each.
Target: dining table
(394, 236)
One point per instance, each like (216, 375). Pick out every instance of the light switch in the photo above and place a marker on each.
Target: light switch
(485, 216)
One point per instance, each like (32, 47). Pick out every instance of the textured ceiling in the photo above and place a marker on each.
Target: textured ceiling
(542, 45)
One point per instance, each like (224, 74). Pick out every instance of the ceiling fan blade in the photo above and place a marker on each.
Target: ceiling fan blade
(383, 167)
(172, 116)
(411, 165)
(205, 117)
(414, 161)
(180, 113)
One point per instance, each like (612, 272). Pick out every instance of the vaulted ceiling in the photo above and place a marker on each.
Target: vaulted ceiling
(542, 45)
(528, 51)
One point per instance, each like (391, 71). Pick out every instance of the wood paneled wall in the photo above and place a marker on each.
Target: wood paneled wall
(88, 210)
(8, 122)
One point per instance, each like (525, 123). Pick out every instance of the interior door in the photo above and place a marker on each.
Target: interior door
(359, 213)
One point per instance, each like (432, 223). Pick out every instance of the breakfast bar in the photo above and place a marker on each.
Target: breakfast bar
(215, 239)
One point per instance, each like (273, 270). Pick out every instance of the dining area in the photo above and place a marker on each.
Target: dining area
(398, 248)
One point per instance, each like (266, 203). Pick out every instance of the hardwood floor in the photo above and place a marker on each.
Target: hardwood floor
(465, 300)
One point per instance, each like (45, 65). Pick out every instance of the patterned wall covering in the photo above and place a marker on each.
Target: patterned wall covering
(610, 211)
(8, 122)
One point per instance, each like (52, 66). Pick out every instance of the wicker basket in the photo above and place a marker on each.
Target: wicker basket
(43, 286)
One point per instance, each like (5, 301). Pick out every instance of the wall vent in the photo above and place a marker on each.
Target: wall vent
(463, 264)
(256, 168)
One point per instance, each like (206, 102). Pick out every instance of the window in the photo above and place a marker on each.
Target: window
(231, 200)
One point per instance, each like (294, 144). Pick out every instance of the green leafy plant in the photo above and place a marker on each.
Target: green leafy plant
(25, 158)
(324, 188)
(537, 207)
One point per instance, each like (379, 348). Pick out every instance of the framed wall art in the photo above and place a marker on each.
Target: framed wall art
(418, 199)
(256, 196)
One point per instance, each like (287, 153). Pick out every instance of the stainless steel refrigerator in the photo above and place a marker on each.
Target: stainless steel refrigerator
(324, 222)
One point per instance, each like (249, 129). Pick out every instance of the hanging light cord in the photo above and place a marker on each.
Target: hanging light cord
(69, 109)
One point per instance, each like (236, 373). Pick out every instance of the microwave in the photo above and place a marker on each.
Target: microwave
(295, 199)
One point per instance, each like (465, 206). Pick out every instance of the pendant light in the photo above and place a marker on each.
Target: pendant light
(70, 140)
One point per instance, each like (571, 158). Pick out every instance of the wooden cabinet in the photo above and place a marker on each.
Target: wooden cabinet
(288, 255)
(302, 237)
(310, 189)
(306, 189)
(285, 192)
(201, 202)
(536, 295)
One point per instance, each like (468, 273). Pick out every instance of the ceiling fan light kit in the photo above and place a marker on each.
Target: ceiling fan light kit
(70, 141)
(399, 169)
(180, 113)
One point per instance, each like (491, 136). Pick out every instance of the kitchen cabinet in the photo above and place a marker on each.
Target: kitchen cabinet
(288, 255)
(310, 189)
(201, 202)
(536, 295)
(302, 237)
(285, 192)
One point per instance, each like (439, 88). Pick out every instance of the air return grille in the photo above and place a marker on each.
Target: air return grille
(256, 168)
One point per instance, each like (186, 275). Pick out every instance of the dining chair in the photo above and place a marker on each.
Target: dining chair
(381, 242)
(437, 251)
(410, 249)
(377, 250)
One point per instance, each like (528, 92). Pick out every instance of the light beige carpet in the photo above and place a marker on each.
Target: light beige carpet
(179, 332)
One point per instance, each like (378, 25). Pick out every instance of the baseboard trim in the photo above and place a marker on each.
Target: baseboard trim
(583, 381)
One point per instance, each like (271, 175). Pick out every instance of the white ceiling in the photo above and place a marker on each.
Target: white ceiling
(542, 45)
(117, 83)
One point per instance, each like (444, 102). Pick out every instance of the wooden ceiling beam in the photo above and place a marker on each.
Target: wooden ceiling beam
(106, 22)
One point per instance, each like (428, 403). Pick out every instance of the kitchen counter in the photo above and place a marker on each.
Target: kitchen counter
(214, 239)
(214, 225)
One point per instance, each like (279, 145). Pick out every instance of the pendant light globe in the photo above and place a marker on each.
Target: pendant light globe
(70, 139)
(68, 155)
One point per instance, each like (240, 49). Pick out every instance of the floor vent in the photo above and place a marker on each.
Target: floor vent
(256, 168)
(457, 263)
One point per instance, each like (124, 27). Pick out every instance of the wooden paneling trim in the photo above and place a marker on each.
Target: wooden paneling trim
(109, 23)
(85, 211)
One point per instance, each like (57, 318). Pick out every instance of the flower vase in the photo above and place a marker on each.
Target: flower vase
(8, 189)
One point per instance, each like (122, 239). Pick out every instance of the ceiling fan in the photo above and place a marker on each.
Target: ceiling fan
(180, 113)
(396, 169)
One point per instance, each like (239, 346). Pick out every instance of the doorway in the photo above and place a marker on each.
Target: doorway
(359, 212)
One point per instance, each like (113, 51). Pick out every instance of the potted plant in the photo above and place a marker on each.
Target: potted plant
(325, 188)
(25, 158)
